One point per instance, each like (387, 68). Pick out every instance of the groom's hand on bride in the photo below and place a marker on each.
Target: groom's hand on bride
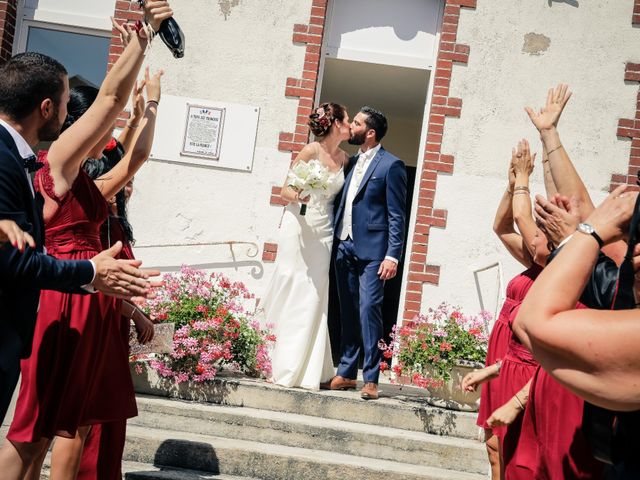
(388, 269)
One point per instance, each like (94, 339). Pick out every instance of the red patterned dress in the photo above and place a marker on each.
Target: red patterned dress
(492, 393)
(78, 372)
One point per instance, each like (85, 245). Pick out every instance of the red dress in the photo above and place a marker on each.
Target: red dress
(102, 453)
(78, 372)
(551, 444)
(490, 396)
(518, 367)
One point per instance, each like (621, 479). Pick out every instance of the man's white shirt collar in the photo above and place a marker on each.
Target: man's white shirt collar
(24, 149)
(369, 154)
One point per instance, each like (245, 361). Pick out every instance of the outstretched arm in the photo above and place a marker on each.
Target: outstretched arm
(113, 181)
(565, 176)
(523, 166)
(592, 352)
(503, 225)
(71, 149)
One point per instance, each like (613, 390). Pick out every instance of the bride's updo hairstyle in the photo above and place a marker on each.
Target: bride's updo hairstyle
(322, 118)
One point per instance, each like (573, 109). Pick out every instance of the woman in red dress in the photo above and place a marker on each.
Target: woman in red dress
(530, 249)
(73, 378)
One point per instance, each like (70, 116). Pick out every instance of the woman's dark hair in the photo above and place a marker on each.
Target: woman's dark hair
(375, 121)
(28, 79)
(80, 99)
(95, 168)
(322, 118)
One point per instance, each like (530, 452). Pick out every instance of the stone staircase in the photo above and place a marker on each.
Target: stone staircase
(251, 429)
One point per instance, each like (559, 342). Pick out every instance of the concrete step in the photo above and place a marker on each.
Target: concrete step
(312, 432)
(398, 407)
(268, 462)
(143, 471)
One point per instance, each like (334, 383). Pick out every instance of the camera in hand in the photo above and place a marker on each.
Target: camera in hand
(171, 34)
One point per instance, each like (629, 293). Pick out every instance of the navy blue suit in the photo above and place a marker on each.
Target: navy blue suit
(378, 220)
(23, 275)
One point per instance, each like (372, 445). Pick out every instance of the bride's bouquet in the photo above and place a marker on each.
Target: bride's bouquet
(307, 178)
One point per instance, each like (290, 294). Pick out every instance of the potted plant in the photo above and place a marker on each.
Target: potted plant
(213, 328)
(435, 351)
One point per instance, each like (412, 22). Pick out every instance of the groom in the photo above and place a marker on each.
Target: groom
(369, 226)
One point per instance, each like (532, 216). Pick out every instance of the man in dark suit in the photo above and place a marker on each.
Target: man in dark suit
(369, 229)
(34, 91)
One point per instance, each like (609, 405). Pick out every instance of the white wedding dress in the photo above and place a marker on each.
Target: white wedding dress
(296, 300)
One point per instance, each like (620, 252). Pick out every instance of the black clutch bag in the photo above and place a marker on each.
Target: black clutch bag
(171, 34)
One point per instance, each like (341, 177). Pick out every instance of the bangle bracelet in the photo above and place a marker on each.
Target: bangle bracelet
(153, 101)
(131, 126)
(519, 402)
(553, 150)
(521, 192)
(521, 187)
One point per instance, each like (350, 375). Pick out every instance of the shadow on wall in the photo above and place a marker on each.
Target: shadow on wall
(573, 3)
(380, 13)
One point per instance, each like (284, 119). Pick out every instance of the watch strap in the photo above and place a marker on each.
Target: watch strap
(598, 239)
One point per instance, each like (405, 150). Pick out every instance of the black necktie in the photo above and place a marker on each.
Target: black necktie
(32, 164)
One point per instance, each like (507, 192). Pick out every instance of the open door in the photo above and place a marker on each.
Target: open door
(381, 55)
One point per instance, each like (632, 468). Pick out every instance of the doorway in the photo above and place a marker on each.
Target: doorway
(381, 54)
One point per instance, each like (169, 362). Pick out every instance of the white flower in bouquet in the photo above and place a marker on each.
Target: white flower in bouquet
(308, 178)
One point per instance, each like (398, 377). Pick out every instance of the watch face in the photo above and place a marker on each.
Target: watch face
(585, 228)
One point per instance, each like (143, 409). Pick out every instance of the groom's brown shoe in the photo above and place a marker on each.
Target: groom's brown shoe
(339, 383)
(369, 391)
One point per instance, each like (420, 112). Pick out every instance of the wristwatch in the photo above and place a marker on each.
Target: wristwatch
(589, 230)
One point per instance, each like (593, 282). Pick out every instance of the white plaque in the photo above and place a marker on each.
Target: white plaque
(203, 131)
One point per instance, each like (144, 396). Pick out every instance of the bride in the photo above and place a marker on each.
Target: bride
(296, 300)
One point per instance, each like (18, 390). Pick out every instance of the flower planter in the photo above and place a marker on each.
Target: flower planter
(450, 395)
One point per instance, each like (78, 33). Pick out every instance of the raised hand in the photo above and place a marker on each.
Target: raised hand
(156, 12)
(124, 30)
(137, 104)
(152, 83)
(521, 159)
(121, 278)
(12, 233)
(611, 219)
(558, 217)
(548, 116)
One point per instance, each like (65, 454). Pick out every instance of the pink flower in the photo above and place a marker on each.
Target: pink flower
(384, 366)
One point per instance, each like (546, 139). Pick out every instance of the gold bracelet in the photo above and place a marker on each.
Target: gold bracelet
(551, 151)
(132, 127)
(521, 192)
(521, 187)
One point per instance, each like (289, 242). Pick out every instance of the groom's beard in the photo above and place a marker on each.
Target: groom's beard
(357, 139)
(50, 131)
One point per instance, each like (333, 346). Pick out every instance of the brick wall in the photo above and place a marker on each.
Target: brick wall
(450, 52)
(126, 11)
(304, 89)
(630, 127)
(7, 28)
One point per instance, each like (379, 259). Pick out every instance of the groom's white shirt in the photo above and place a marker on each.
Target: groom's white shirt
(346, 229)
